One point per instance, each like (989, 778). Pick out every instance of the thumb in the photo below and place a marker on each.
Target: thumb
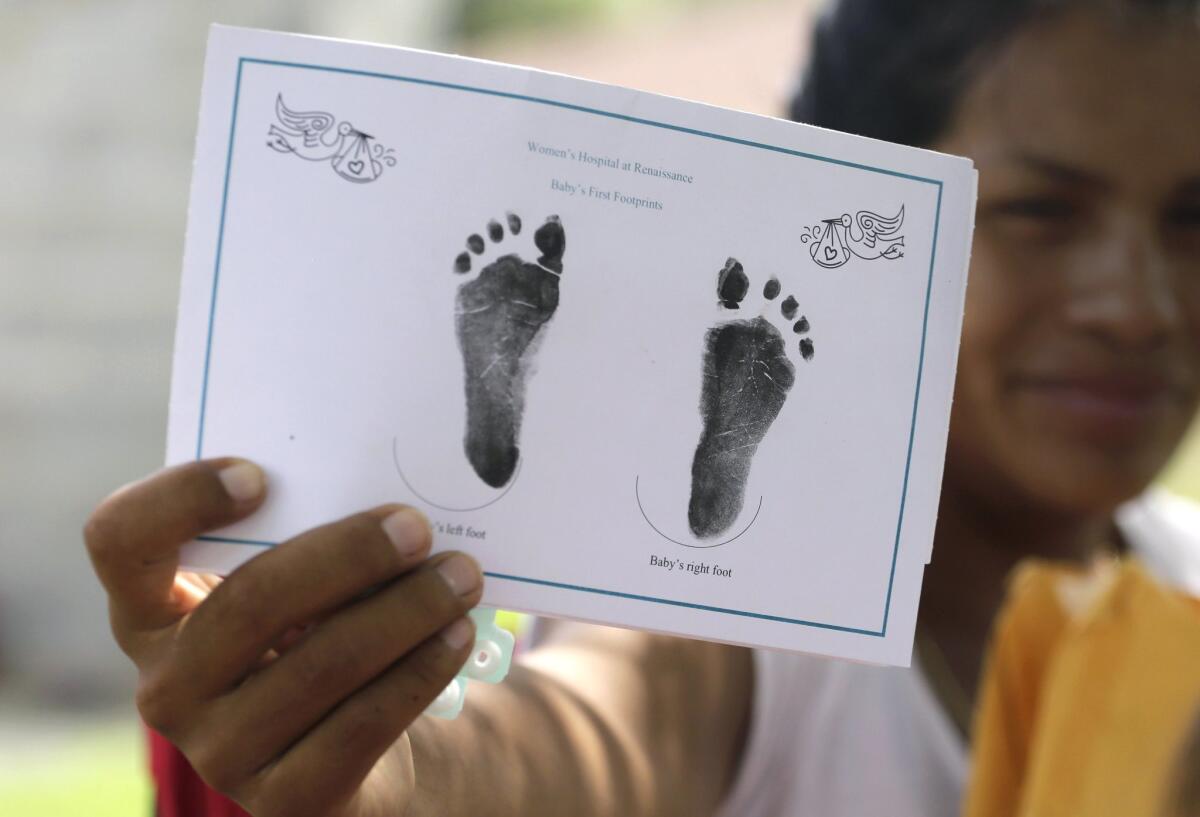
(134, 536)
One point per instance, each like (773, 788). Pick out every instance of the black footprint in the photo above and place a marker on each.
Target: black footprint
(498, 315)
(747, 377)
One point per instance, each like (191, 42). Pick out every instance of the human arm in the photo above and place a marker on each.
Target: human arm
(599, 722)
(291, 686)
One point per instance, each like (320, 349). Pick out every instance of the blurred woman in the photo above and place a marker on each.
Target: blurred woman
(1079, 374)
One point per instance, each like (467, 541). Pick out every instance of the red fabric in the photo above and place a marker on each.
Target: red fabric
(179, 790)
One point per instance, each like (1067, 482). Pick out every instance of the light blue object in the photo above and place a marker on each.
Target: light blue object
(488, 662)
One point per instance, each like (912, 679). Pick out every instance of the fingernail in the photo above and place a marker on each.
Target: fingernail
(243, 482)
(458, 634)
(461, 574)
(407, 530)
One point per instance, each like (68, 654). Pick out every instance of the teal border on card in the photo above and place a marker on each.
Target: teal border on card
(243, 61)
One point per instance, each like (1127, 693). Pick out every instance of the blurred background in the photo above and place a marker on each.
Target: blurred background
(101, 102)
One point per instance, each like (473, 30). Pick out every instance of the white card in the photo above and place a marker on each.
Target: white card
(702, 387)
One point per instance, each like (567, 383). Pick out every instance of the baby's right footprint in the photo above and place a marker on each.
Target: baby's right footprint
(747, 377)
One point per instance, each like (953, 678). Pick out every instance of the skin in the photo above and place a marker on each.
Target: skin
(297, 692)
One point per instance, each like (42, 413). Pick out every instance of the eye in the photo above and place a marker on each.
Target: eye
(1185, 216)
(1182, 228)
(1041, 209)
(1037, 219)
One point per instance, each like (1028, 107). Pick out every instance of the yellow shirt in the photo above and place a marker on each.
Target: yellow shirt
(1092, 684)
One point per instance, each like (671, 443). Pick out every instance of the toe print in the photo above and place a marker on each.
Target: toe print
(498, 315)
(747, 378)
(806, 345)
(732, 284)
(789, 307)
(551, 240)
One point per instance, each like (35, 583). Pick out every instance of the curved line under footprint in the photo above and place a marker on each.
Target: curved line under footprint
(420, 496)
(638, 495)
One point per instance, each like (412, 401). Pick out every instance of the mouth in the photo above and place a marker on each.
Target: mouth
(1109, 406)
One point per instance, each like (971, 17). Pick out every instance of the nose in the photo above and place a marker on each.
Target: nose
(1124, 291)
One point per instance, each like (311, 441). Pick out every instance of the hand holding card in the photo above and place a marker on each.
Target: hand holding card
(238, 673)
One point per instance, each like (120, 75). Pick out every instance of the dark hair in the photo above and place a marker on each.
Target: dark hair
(896, 69)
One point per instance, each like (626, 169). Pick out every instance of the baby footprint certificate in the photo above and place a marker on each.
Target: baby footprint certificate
(653, 363)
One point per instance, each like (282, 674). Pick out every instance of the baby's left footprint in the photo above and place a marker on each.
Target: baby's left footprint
(498, 314)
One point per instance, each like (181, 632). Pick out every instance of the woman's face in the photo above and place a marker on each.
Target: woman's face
(1079, 370)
